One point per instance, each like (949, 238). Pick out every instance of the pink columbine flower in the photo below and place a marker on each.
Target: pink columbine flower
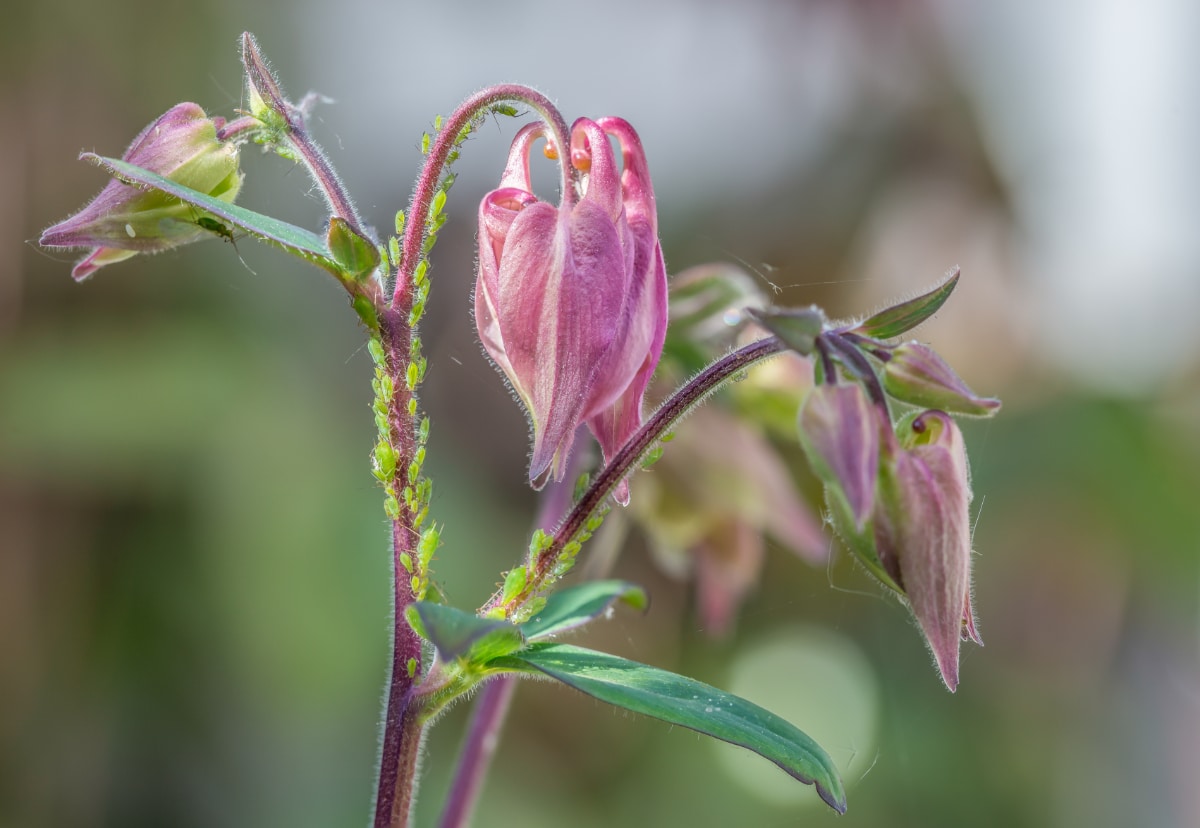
(571, 300)
(124, 220)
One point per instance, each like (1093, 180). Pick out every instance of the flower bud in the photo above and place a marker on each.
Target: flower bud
(916, 374)
(923, 532)
(124, 220)
(571, 301)
(900, 501)
(839, 430)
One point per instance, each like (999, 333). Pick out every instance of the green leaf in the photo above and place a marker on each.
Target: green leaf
(905, 316)
(297, 240)
(457, 634)
(797, 327)
(575, 606)
(356, 254)
(683, 701)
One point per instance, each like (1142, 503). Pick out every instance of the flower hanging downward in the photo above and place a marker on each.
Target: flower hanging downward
(123, 220)
(571, 301)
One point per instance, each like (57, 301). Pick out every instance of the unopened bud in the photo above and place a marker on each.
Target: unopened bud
(916, 374)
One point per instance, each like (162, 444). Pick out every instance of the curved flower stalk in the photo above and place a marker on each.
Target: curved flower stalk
(571, 300)
(124, 220)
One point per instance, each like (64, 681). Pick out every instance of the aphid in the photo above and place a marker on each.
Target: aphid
(220, 228)
(216, 227)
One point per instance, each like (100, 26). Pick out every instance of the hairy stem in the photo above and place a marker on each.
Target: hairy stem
(402, 730)
(415, 229)
(402, 722)
(264, 83)
(576, 524)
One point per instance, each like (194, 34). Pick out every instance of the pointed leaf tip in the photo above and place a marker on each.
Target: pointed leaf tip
(905, 316)
(686, 702)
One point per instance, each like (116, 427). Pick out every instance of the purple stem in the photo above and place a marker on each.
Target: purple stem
(491, 708)
(260, 77)
(475, 757)
(853, 359)
(403, 729)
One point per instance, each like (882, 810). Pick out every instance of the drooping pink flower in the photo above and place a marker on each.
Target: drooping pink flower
(124, 220)
(571, 300)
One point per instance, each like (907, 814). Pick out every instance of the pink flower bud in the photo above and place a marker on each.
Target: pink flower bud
(124, 220)
(915, 374)
(839, 429)
(571, 301)
(923, 531)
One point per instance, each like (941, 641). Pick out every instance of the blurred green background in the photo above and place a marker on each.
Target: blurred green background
(193, 559)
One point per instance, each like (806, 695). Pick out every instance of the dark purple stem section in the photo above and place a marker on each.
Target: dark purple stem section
(402, 729)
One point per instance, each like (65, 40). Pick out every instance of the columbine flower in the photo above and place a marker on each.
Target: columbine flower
(571, 301)
(124, 220)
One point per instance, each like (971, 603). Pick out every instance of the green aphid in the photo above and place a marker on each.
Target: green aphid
(375, 349)
(427, 546)
(514, 582)
(216, 227)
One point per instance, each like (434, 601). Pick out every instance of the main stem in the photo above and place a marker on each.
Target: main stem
(403, 728)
